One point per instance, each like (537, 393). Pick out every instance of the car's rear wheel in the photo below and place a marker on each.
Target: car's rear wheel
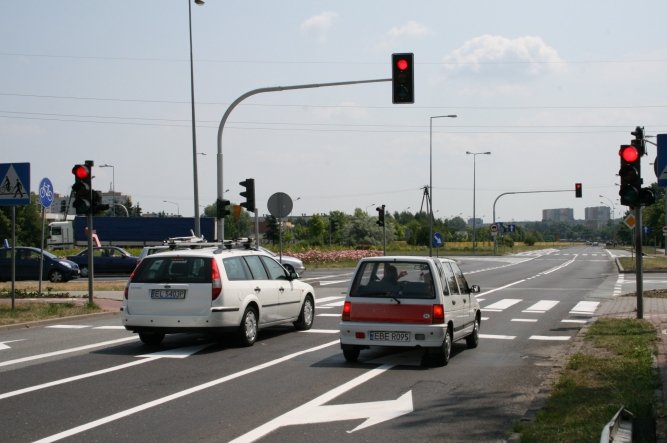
(84, 271)
(56, 276)
(473, 339)
(305, 320)
(351, 355)
(248, 329)
(151, 338)
(445, 351)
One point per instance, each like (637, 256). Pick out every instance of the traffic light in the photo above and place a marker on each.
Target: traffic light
(221, 208)
(98, 206)
(577, 190)
(380, 210)
(630, 173)
(249, 194)
(638, 141)
(402, 78)
(81, 189)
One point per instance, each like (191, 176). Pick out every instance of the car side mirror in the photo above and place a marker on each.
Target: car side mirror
(475, 289)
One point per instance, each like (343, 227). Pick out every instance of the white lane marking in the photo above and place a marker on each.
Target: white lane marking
(541, 307)
(328, 299)
(323, 331)
(173, 353)
(67, 327)
(328, 315)
(335, 304)
(549, 337)
(498, 337)
(315, 411)
(574, 321)
(177, 395)
(585, 308)
(525, 320)
(3, 346)
(110, 327)
(500, 288)
(332, 282)
(68, 351)
(501, 305)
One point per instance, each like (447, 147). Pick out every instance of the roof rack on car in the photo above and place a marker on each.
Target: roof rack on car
(239, 243)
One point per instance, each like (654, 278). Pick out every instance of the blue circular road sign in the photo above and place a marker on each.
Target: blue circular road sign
(45, 192)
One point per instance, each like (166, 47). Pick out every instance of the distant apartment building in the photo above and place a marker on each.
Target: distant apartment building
(563, 215)
(597, 216)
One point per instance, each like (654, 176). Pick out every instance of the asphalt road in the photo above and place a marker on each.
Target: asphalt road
(90, 380)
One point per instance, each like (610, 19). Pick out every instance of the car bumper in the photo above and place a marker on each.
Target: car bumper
(391, 334)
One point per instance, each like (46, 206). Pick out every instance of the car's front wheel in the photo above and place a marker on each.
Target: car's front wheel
(56, 276)
(248, 329)
(84, 271)
(305, 320)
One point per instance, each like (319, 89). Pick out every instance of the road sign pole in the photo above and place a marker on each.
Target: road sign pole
(639, 263)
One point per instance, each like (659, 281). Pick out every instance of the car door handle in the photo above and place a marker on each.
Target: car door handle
(281, 289)
(453, 302)
(258, 289)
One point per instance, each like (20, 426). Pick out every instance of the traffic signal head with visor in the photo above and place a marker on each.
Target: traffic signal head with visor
(82, 188)
(249, 194)
(630, 174)
(577, 190)
(402, 78)
(380, 220)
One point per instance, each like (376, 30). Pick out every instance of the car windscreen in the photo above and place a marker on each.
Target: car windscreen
(156, 269)
(393, 279)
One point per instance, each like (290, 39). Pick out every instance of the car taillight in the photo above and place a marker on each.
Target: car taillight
(438, 314)
(216, 282)
(347, 310)
(132, 275)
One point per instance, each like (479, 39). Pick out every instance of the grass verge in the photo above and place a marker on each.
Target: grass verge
(27, 311)
(613, 368)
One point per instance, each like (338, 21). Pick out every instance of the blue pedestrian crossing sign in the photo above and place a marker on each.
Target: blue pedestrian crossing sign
(14, 184)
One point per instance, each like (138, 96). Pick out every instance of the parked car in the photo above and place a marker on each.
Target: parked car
(214, 290)
(410, 302)
(292, 264)
(106, 260)
(54, 268)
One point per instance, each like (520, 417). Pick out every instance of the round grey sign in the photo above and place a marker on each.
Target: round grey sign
(280, 205)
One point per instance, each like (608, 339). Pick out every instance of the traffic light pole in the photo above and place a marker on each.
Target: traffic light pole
(639, 262)
(495, 238)
(220, 222)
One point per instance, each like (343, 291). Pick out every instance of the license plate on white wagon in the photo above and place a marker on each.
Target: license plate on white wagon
(168, 294)
(389, 336)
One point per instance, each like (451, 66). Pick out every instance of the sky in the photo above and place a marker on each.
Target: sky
(550, 89)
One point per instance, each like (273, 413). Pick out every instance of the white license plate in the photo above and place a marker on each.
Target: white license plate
(389, 336)
(168, 294)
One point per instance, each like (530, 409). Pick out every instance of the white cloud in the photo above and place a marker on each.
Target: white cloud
(319, 25)
(410, 29)
(494, 55)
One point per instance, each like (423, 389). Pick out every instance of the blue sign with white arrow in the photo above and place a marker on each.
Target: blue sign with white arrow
(14, 184)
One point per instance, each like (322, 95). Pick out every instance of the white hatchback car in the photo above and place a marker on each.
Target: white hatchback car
(214, 290)
(411, 302)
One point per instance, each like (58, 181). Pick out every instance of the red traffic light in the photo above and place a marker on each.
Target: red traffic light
(81, 172)
(629, 153)
(402, 64)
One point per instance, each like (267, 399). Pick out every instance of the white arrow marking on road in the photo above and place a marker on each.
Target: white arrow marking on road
(3, 346)
(316, 412)
(174, 353)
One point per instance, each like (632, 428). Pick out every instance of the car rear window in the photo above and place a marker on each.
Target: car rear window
(393, 279)
(158, 269)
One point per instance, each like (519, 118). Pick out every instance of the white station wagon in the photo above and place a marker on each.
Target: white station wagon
(411, 302)
(214, 290)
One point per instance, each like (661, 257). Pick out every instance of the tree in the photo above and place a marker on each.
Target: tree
(317, 228)
(28, 223)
